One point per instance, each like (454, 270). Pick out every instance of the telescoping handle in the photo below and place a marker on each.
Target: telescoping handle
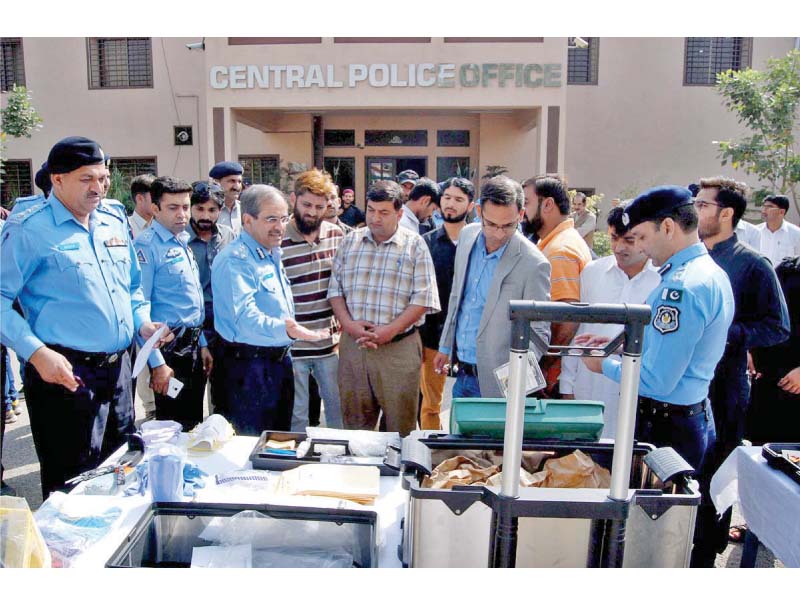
(634, 318)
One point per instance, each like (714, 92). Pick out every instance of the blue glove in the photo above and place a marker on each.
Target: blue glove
(192, 478)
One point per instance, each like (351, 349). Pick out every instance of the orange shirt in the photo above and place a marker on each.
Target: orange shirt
(568, 255)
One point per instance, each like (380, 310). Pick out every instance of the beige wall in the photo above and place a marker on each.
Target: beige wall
(640, 126)
(127, 123)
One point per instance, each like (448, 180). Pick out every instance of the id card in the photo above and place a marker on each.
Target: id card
(535, 379)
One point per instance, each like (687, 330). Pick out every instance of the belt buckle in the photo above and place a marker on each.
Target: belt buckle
(112, 359)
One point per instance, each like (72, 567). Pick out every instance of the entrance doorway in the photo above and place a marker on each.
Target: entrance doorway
(380, 168)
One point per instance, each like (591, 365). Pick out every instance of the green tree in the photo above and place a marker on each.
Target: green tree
(19, 119)
(766, 102)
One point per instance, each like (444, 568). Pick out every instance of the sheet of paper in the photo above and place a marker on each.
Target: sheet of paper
(144, 353)
(535, 379)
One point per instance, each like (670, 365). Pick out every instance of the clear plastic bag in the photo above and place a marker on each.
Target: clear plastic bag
(284, 536)
(21, 542)
(70, 524)
(362, 443)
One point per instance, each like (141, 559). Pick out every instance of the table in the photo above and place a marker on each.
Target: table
(234, 455)
(769, 501)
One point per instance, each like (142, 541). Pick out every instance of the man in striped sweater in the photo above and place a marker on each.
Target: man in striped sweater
(309, 246)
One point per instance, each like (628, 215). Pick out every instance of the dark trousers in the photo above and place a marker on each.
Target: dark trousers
(257, 392)
(688, 436)
(729, 394)
(187, 407)
(76, 431)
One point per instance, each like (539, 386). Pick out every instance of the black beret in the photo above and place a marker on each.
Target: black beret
(42, 179)
(223, 169)
(654, 203)
(73, 153)
(407, 175)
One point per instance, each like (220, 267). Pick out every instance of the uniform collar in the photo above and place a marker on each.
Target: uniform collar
(682, 257)
(61, 213)
(166, 235)
(232, 210)
(259, 251)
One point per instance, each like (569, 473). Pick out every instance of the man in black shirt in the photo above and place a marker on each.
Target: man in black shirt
(351, 215)
(760, 319)
(456, 203)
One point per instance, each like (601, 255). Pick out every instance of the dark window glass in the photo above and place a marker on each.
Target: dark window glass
(120, 63)
(342, 170)
(582, 62)
(452, 166)
(339, 137)
(452, 137)
(133, 167)
(16, 181)
(12, 65)
(706, 57)
(261, 168)
(396, 137)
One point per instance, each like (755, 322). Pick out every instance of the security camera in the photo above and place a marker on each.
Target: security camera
(197, 45)
(579, 42)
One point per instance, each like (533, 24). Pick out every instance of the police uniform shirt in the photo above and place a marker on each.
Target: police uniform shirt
(252, 295)
(170, 280)
(692, 309)
(26, 202)
(78, 288)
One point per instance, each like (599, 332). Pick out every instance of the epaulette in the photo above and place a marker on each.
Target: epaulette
(27, 213)
(24, 203)
(113, 207)
(240, 251)
(145, 237)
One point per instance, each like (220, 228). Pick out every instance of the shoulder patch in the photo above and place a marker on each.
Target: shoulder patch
(671, 295)
(141, 257)
(667, 319)
(144, 237)
(239, 251)
(27, 213)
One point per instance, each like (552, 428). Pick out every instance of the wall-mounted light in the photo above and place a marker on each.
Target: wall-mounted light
(197, 45)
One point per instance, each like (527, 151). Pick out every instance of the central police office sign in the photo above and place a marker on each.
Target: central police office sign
(443, 75)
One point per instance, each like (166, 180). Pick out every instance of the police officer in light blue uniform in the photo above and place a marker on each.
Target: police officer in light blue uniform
(69, 261)
(254, 317)
(171, 282)
(692, 310)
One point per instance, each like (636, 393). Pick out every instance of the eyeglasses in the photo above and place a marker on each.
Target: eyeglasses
(501, 228)
(273, 220)
(701, 204)
(769, 207)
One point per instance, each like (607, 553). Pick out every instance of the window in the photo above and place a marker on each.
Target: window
(706, 57)
(452, 137)
(339, 137)
(12, 65)
(493, 40)
(381, 40)
(452, 166)
(342, 170)
(120, 63)
(396, 137)
(261, 168)
(17, 180)
(582, 62)
(133, 167)
(262, 41)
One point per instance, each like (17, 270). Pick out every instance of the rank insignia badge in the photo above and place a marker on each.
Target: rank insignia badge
(666, 319)
(141, 257)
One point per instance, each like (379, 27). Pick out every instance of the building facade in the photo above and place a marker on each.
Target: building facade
(615, 115)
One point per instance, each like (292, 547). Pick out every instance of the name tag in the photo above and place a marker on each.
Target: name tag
(115, 243)
(269, 276)
(177, 259)
(67, 247)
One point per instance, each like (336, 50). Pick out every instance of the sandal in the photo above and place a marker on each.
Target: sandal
(736, 533)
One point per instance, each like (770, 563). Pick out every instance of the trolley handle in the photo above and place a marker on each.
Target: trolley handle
(633, 316)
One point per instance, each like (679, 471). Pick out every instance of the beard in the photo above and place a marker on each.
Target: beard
(455, 219)
(202, 224)
(306, 225)
(535, 224)
(708, 230)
